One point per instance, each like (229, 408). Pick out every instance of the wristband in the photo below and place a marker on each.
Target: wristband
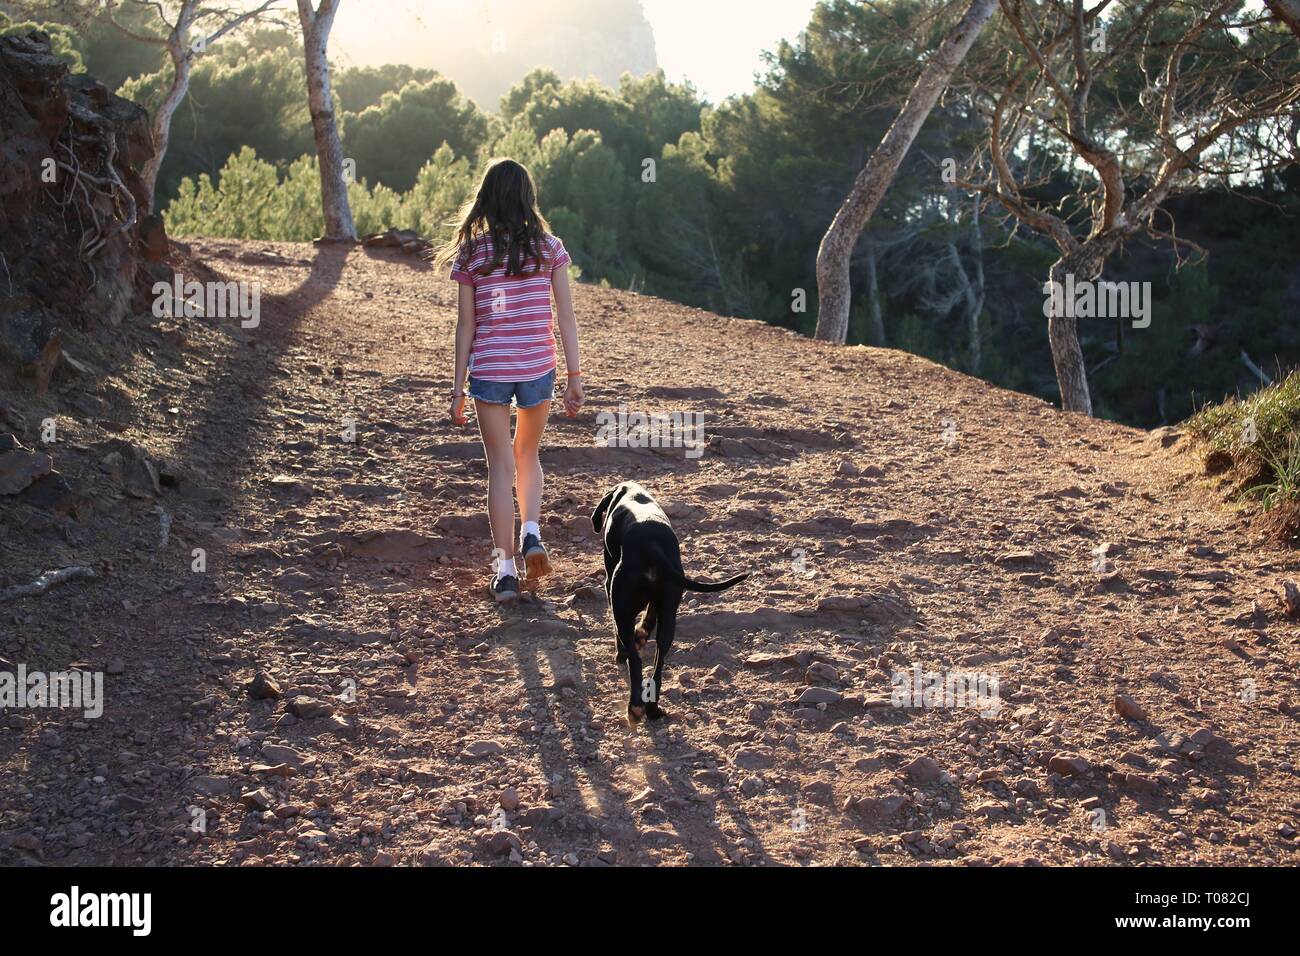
(574, 374)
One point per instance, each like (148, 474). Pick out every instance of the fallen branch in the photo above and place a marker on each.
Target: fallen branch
(46, 581)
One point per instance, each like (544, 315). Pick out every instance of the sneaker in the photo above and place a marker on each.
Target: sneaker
(536, 560)
(505, 587)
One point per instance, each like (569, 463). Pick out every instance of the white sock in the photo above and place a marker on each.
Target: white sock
(530, 527)
(506, 566)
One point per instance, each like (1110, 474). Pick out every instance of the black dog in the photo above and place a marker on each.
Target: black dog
(643, 572)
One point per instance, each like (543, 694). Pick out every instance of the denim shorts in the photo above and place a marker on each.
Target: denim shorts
(525, 394)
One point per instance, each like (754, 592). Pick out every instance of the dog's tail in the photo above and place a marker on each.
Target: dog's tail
(708, 587)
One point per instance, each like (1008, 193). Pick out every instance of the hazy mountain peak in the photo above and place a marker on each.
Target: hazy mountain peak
(508, 38)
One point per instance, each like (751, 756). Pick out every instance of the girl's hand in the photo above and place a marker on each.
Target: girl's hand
(458, 416)
(573, 397)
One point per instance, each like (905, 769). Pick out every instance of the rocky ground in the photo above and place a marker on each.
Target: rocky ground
(893, 515)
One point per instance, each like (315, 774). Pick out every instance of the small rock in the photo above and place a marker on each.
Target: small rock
(1128, 708)
(925, 770)
(1291, 598)
(276, 754)
(259, 799)
(1016, 557)
(821, 671)
(876, 808)
(262, 687)
(1068, 765)
(753, 758)
(501, 842)
(477, 749)
(20, 467)
(819, 695)
(211, 786)
(306, 708)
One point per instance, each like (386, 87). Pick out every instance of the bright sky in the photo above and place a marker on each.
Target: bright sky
(716, 44)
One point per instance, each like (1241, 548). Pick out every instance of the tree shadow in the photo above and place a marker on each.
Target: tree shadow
(223, 432)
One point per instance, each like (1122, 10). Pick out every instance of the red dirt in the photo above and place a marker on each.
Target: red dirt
(970, 546)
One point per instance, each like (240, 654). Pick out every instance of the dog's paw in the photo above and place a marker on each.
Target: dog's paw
(635, 715)
(654, 711)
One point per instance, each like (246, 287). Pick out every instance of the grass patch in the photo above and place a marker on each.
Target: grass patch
(1258, 437)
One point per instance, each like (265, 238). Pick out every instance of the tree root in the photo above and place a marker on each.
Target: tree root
(109, 187)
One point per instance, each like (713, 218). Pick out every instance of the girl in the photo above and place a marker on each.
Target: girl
(508, 263)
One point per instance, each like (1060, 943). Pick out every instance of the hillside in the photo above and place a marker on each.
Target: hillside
(941, 523)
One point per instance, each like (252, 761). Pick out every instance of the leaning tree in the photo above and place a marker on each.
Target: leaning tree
(836, 249)
(1138, 103)
(187, 29)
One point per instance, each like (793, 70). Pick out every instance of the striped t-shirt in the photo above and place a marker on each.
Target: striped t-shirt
(514, 337)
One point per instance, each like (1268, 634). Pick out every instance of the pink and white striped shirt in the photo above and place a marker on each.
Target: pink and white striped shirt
(514, 331)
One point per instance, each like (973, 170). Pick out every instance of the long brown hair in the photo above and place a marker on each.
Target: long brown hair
(505, 210)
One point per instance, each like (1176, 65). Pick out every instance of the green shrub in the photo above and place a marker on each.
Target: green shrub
(1260, 434)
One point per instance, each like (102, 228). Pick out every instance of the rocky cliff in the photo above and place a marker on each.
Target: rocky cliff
(74, 237)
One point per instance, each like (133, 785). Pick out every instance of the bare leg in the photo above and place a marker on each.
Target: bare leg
(494, 426)
(529, 425)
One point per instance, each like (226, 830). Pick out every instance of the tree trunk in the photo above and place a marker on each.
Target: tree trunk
(316, 26)
(876, 328)
(972, 302)
(717, 268)
(875, 177)
(1085, 264)
(1288, 11)
(182, 51)
(975, 292)
(162, 120)
(178, 50)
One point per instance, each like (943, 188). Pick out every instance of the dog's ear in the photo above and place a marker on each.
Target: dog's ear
(602, 510)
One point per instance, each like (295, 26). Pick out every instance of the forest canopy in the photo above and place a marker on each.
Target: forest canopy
(722, 205)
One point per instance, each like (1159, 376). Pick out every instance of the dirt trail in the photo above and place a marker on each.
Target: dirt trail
(893, 513)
